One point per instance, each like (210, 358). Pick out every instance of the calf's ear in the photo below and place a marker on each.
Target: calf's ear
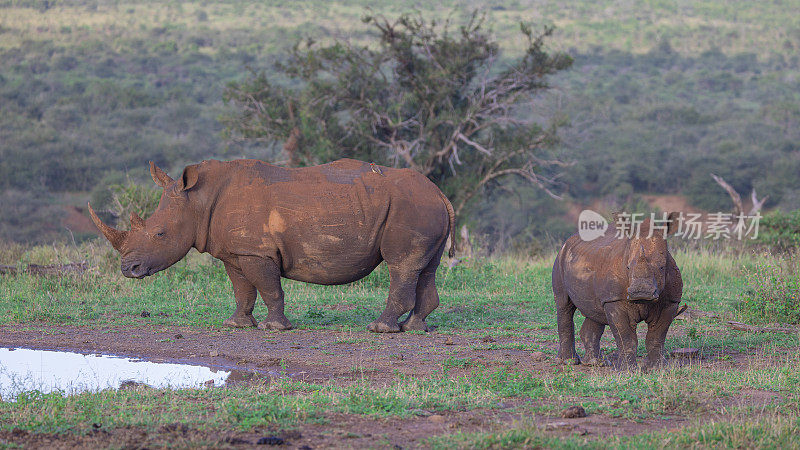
(673, 222)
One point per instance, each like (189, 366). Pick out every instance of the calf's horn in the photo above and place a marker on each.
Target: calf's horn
(114, 236)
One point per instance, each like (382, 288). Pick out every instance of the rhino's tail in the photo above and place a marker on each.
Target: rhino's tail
(452, 215)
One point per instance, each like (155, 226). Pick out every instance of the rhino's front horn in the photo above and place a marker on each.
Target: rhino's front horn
(114, 236)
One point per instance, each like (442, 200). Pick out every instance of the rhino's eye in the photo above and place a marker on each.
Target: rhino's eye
(159, 234)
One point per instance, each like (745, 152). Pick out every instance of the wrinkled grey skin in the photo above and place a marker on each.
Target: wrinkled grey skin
(617, 283)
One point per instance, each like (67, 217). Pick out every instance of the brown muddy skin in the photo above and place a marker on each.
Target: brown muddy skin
(328, 224)
(617, 283)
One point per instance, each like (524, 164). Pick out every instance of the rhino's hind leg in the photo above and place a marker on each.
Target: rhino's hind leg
(402, 297)
(591, 332)
(427, 296)
(245, 294)
(265, 274)
(427, 301)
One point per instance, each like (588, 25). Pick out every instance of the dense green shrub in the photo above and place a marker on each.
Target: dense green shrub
(774, 290)
(780, 230)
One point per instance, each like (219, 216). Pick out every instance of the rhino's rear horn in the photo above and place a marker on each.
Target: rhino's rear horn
(114, 236)
(137, 223)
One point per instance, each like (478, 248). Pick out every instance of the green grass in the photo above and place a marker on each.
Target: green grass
(508, 299)
(483, 296)
(765, 432)
(692, 392)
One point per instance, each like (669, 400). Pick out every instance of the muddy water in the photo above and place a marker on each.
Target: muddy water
(23, 370)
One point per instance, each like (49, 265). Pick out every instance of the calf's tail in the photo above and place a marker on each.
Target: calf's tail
(452, 215)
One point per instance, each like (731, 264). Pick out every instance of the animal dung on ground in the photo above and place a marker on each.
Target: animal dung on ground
(573, 412)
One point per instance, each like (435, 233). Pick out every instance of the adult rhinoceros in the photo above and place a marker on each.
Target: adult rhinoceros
(328, 224)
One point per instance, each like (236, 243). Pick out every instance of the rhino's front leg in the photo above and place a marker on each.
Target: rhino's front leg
(265, 274)
(624, 333)
(657, 327)
(245, 294)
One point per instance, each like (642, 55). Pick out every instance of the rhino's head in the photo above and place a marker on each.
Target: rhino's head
(165, 237)
(646, 259)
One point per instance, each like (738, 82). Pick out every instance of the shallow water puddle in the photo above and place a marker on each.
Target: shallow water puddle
(23, 370)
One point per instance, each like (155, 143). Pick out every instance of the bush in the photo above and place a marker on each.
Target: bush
(774, 294)
(133, 197)
(780, 230)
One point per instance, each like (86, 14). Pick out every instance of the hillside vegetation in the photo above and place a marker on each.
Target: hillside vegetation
(660, 94)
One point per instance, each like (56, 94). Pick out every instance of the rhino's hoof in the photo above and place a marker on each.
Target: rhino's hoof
(240, 322)
(274, 325)
(383, 327)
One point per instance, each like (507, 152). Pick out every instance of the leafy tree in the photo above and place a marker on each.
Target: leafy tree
(429, 96)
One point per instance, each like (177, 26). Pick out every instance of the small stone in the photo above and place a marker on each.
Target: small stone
(270, 440)
(436, 418)
(178, 336)
(487, 339)
(538, 356)
(449, 342)
(209, 383)
(145, 314)
(213, 353)
(573, 412)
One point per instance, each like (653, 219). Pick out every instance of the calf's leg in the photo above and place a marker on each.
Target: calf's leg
(245, 294)
(657, 327)
(265, 275)
(565, 313)
(591, 332)
(624, 334)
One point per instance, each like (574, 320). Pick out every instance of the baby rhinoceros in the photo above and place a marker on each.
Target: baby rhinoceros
(618, 280)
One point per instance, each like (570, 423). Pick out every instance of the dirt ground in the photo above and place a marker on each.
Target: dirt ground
(332, 356)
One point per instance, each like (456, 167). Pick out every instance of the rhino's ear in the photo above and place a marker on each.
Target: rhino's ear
(189, 177)
(673, 222)
(159, 176)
